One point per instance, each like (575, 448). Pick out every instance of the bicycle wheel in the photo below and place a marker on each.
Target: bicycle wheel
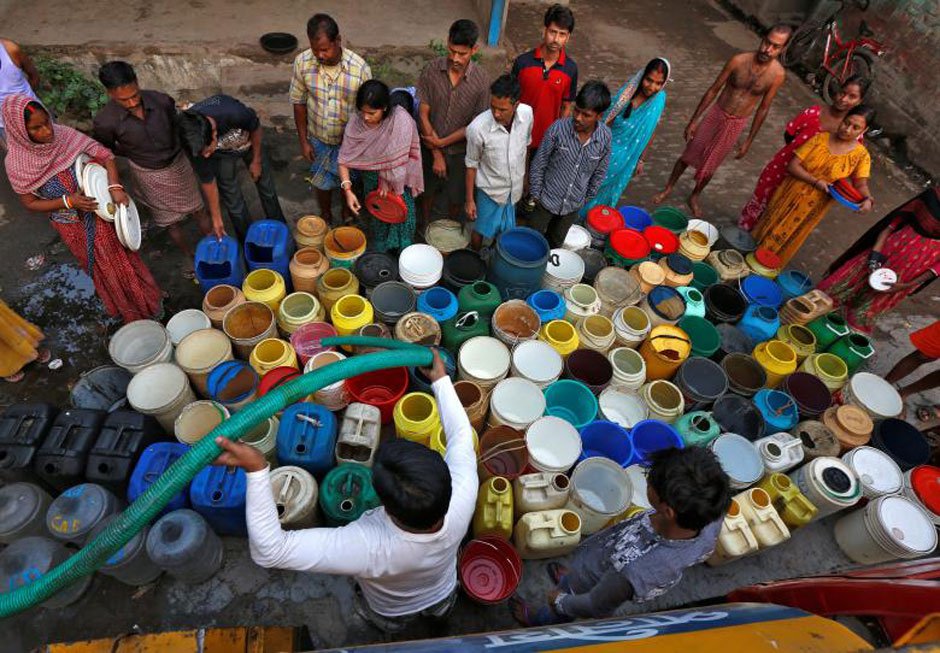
(862, 63)
(802, 43)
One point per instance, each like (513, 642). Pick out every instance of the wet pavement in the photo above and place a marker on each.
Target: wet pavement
(611, 41)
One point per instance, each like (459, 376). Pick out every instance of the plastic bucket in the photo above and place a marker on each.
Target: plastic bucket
(233, 384)
(197, 419)
(572, 401)
(439, 303)
(778, 360)
(490, 569)
(704, 336)
(648, 275)
(140, 343)
(745, 375)
(733, 341)
(391, 300)
(724, 303)
(185, 322)
(632, 326)
(265, 286)
(671, 218)
(887, 529)
(553, 444)
(596, 332)
(594, 262)
(735, 414)
(306, 266)
(381, 388)
(616, 288)
(902, 441)
(801, 339)
(199, 352)
(664, 400)
(830, 369)
(629, 368)
(310, 231)
(874, 395)
(607, 440)
(503, 452)
(335, 396)
(336, 283)
(219, 300)
(548, 304)
(306, 340)
(161, 390)
(516, 402)
(793, 283)
(600, 490)
(701, 381)
(373, 268)
(102, 388)
(418, 328)
(627, 246)
(298, 309)
(484, 360)
(248, 324)
(811, 395)
(778, 409)
(271, 353)
(761, 291)
(416, 417)
(518, 262)
(537, 361)
(343, 245)
(664, 305)
(877, 472)
(561, 336)
(635, 217)
(652, 435)
(623, 407)
(564, 269)
(739, 458)
(474, 401)
(349, 314)
(515, 321)
(703, 276)
(590, 368)
(664, 351)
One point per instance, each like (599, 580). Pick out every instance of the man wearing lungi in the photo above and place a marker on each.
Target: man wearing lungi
(748, 80)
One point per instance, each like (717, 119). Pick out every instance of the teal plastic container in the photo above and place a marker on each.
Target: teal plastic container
(703, 276)
(694, 301)
(671, 218)
(760, 323)
(346, 493)
(697, 428)
(706, 340)
(572, 401)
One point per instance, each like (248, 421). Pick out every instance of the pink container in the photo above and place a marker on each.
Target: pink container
(306, 340)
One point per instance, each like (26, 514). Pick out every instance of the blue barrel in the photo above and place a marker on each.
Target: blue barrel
(652, 435)
(635, 217)
(218, 494)
(548, 304)
(306, 438)
(518, 262)
(761, 290)
(760, 323)
(793, 283)
(268, 244)
(418, 382)
(218, 261)
(607, 440)
(439, 303)
(778, 409)
(155, 460)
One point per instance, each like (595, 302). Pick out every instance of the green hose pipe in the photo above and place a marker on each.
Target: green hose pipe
(96, 552)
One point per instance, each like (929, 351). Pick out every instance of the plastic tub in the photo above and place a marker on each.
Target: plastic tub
(503, 452)
(572, 401)
(201, 351)
(607, 440)
(903, 442)
(600, 490)
(197, 419)
(490, 570)
(745, 375)
(590, 368)
(185, 322)
(626, 408)
(381, 388)
(652, 435)
(704, 336)
(161, 390)
(739, 458)
(139, 344)
(248, 324)
(484, 360)
(306, 340)
(735, 414)
(635, 217)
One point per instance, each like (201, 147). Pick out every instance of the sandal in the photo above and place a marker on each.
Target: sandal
(44, 356)
(556, 571)
(15, 378)
(520, 610)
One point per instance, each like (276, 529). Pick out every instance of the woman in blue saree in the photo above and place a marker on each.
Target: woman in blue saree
(632, 119)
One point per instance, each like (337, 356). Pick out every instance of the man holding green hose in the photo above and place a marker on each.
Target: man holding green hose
(402, 554)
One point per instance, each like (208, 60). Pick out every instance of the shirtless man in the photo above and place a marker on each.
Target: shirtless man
(747, 78)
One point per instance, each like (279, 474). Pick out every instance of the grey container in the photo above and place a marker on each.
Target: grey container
(182, 544)
(131, 564)
(29, 559)
(73, 515)
(23, 509)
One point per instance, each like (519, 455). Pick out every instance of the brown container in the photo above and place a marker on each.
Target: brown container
(817, 439)
(503, 453)
(306, 266)
(515, 321)
(248, 324)
(418, 328)
(850, 424)
(336, 283)
(219, 300)
(475, 401)
(310, 231)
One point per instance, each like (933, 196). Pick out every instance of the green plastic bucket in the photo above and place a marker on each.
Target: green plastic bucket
(705, 337)
(703, 276)
(672, 219)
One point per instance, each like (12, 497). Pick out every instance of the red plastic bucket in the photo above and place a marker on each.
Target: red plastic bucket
(490, 569)
(382, 389)
(661, 240)
(630, 244)
(276, 377)
(306, 340)
(604, 219)
(925, 481)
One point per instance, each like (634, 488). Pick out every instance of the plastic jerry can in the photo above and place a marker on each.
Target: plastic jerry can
(493, 515)
(155, 460)
(781, 452)
(29, 559)
(359, 434)
(23, 427)
(130, 564)
(61, 459)
(697, 428)
(295, 495)
(735, 540)
(346, 493)
(122, 439)
(306, 438)
(218, 261)
(763, 519)
(547, 534)
(218, 494)
(23, 509)
(182, 544)
(75, 513)
(268, 244)
(792, 505)
(540, 491)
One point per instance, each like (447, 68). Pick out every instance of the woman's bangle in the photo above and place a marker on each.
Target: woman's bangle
(345, 184)
(66, 203)
(115, 187)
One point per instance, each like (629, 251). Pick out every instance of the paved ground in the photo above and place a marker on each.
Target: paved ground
(611, 41)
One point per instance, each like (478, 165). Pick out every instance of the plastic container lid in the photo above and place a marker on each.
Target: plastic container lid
(767, 258)
(876, 394)
(629, 243)
(882, 279)
(738, 457)
(679, 264)
(876, 470)
(908, 524)
(604, 219)
(537, 361)
(390, 208)
(553, 442)
(925, 480)
(517, 400)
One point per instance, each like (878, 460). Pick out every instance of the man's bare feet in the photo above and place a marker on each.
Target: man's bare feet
(694, 205)
(659, 198)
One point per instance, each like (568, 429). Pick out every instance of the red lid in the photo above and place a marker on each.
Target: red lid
(629, 243)
(926, 483)
(391, 208)
(661, 240)
(490, 569)
(767, 258)
(604, 219)
(276, 377)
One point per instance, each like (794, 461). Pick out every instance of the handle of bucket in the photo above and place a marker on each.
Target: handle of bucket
(503, 447)
(673, 336)
(554, 259)
(779, 411)
(462, 320)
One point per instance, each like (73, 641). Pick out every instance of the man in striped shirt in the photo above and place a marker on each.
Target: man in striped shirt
(570, 164)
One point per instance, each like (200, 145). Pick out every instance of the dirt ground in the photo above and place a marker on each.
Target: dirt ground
(212, 47)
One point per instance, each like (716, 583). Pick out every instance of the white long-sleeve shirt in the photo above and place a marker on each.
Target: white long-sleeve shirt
(400, 573)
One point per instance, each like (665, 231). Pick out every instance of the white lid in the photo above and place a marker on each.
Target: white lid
(876, 470)
(637, 476)
(907, 524)
(876, 394)
(518, 400)
(484, 357)
(882, 279)
(537, 360)
(553, 442)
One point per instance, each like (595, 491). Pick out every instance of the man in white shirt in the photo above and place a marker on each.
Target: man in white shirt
(497, 143)
(402, 554)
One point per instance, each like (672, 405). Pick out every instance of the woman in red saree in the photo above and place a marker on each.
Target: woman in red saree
(39, 164)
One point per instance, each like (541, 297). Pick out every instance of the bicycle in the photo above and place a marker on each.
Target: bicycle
(841, 59)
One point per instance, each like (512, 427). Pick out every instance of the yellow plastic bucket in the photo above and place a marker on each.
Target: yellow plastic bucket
(349, 314)
(778, 360)
(439, 441)
(800, 338)
(828, 368)
(336, 283)
(561, 335)
(271, 353)
(664, 351)
(416, 417)
(265, 286)
(297, 309)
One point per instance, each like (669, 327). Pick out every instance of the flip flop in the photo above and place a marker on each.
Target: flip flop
(15, 378)
(44, 356)
(517, 602)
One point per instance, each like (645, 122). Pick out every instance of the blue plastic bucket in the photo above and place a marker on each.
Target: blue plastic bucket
(518, 262)
(635, 218)
(760, 323)
(607, 440)
(439, 303)
(652, 435)
(793, 283)
(761, 290)
(232, 383)
(572, 401)
(548, 304)
(779, 410)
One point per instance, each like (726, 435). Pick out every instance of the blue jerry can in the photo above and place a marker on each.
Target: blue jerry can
(268, 244)
(218, 494)
(306, 438)
(217, 262)
(155, 460)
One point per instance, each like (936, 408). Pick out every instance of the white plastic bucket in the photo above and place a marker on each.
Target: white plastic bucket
(516, 402)
(185, 322)
(564, 269)
(707, 228)
(874, 395)
(336, 396)
(263, 437)
(483, 359)
(554, 445)
(664, 400)
(632, 326)
(877, 472)
(537, 361)
(739, 458)
(139, 344)
(888, 528)
(600, 490)
(199, 352)
(637, 476)
(629, 368)
(623, 407)
(161, 390)
(829, 491)
(197, 419)
(577, 238)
